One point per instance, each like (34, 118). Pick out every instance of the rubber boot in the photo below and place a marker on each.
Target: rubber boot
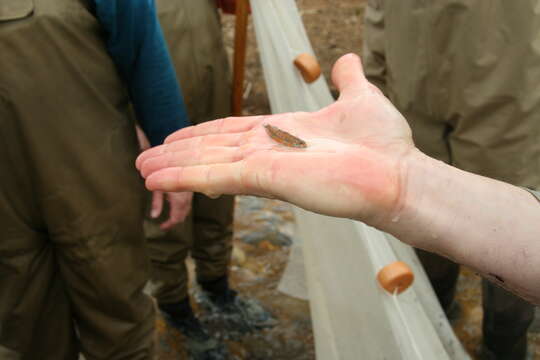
(200, 345)
(241, 314)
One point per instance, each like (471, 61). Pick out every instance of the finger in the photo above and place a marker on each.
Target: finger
(196, 156)
(211, 180)
(157, 204)
(198, 142)
(175, 218)
(206, 140)
(348, 76)
(143, 140)
(150, 153)
(220, 126)
(170, 223)
(177, 215)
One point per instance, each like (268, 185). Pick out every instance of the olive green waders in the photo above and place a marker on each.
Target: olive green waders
(193, 33)
(72, 256)
(466, 75)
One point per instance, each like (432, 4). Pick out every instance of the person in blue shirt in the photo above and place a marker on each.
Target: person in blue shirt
(136, 44)
(73, 260)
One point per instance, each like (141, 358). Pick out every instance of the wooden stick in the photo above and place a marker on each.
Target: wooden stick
(240, 41)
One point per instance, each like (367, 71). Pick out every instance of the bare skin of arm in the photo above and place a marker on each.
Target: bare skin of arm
(360, 162)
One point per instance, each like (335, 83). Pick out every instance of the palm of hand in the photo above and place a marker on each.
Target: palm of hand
(355, 157)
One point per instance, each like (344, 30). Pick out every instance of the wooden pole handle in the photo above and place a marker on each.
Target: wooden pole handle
(240, 43)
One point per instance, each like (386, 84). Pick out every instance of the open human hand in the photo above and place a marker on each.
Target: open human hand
(354, 165)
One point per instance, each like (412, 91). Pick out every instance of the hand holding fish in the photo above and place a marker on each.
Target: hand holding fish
(357, 148)
(356, 159)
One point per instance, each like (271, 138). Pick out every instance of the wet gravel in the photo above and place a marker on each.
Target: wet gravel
(256, 271)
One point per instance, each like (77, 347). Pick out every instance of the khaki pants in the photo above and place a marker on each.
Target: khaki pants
(465, 74)
(193, 32)
(72, 257)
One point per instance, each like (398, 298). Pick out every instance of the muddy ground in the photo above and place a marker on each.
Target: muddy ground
(262, 226)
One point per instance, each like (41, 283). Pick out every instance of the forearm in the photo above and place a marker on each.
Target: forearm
(486, 224)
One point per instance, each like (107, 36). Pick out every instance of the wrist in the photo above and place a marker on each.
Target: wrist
(440, 203)
(483, 223)
(421, 211)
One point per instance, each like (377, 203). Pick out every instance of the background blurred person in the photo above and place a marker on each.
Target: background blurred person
(465, 75)
(73, 260)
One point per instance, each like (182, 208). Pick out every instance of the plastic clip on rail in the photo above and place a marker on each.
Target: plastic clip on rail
(308, 66)
(395, 277)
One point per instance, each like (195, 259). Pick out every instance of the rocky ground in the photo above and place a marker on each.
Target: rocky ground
(263, 227)
(263, 230)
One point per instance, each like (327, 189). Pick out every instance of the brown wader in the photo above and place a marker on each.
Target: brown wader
(72, 256)
(193, 32)
(466, 75)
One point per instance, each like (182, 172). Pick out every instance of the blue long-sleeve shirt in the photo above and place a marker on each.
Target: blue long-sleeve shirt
(137, 46)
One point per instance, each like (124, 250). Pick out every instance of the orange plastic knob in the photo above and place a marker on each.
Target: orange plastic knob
(395, 277)
(308, 66)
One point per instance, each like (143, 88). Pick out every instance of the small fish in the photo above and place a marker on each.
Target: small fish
(284, 137)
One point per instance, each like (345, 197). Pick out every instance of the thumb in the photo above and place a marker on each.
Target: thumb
(348, 76)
